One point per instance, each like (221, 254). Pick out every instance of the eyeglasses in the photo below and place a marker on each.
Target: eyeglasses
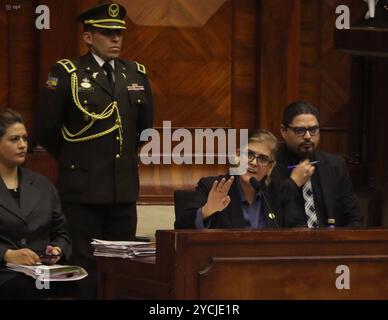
(261, 159)
(301, 131)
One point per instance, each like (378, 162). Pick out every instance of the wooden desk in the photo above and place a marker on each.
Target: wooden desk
(240, 264)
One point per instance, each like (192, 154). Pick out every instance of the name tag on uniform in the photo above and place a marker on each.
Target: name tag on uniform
(135, 87)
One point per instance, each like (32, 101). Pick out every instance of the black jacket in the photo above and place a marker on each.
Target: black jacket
(98, 170)
(339, 199)
(37, 222)
(232, 215)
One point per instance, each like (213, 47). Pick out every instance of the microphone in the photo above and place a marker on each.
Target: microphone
(256, 184)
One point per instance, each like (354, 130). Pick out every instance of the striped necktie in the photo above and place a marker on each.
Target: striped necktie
(309, 206)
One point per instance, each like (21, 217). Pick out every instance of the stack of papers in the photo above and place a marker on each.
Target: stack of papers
(53, 272)
(123, 249)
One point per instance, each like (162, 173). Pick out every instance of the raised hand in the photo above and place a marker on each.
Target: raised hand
(218, 198)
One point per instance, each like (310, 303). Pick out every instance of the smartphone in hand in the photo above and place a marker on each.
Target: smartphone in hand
(49, 256)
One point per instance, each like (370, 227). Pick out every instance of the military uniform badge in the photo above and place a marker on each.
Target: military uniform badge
(51, 82)
(135, 87)
(85, 83)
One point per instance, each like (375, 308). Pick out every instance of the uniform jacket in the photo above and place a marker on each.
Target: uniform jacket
(95, 171)
(37, 222)
(338, 196)
(232, 215)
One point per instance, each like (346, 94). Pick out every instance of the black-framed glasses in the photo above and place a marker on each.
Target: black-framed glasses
(301, 131)
(261, 159)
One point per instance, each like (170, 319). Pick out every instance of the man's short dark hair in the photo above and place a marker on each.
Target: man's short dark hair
(297, 108)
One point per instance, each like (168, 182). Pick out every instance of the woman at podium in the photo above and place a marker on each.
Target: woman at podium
(242, 201)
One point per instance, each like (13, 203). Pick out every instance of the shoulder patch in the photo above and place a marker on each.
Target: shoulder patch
(51, 82)
(67, 65)
(141, 68)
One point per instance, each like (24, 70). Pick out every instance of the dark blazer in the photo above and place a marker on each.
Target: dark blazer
(94, 171)
(336, 186)
(37, 222)
(231, 216)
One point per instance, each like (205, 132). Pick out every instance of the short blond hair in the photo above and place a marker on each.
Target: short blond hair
(264, 136)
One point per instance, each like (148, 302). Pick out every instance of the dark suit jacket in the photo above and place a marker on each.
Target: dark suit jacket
(37, 222)
(94, 171)
(231, 216)
(338, 196)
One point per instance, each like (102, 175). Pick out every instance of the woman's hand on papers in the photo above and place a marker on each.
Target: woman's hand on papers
(23, 256)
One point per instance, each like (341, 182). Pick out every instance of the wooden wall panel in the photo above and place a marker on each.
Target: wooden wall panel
(188, 62)
(4, 16)
(278, 59)
(245, 113)
(325, 73)
(22, 90)
(309, 48)
(158, 182)
(376, 151)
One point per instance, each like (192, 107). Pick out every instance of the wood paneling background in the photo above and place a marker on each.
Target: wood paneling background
(18, 58)
(325, 73)
(4, 81)
(190, 66)
(244, 109)
(278, 66)
(212, 64)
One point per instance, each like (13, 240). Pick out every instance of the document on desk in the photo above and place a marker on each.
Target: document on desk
(123, 249)
(53, 272)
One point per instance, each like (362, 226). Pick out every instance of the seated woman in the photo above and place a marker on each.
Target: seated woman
(32, 227)
(245, 201)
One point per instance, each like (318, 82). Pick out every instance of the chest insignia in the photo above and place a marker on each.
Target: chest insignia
(85, 83)
(135, 87)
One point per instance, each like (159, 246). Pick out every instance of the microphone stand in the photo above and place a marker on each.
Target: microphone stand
(257, 186)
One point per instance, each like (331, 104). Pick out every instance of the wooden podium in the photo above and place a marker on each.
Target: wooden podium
(240, 264)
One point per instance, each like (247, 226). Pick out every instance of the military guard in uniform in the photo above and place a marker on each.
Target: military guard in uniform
(90, 115)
